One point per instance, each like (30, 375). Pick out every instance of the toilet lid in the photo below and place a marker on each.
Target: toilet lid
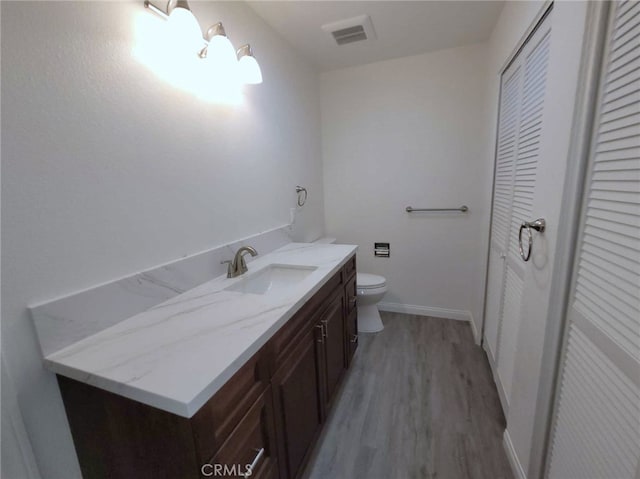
(369, 281)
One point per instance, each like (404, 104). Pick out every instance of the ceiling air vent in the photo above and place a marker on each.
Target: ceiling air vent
(349, 35)
(351, 30)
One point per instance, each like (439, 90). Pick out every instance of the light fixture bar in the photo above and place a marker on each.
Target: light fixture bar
(154, 9)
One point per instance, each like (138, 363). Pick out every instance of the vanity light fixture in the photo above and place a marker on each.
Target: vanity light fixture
(249, 70)
(218, 45)
(182, 22)
(179, 8)
(225, 65)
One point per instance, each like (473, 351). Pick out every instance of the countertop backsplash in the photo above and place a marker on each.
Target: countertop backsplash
(64, 321)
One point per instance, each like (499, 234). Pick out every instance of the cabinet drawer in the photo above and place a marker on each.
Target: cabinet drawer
(213, 423)
(350, 266)
(251, 442)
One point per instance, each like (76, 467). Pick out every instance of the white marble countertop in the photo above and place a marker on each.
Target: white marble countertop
(176, 355)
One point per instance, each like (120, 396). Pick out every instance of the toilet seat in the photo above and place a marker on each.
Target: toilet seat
(370, 281)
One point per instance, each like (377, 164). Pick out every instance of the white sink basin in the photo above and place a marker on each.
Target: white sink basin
(272, 278)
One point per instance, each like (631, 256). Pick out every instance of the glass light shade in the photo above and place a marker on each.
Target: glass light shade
(185, 29)
(221, 54)
(249, 70)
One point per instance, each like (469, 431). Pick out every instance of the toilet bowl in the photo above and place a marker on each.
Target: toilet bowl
(370, 289)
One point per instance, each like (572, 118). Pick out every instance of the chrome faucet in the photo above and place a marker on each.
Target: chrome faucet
(238, 266)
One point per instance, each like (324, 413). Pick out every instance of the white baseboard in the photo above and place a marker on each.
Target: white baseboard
(496, 378)
(474, 330)
(518, 471)
(457, 314)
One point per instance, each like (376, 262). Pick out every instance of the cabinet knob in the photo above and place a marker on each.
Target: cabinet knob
(353, 301)
(354, 338)
(325, 329)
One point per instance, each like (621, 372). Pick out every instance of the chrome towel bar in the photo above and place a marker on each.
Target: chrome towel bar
(462, 209)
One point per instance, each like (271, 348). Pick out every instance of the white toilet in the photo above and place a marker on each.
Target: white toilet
(370, 290)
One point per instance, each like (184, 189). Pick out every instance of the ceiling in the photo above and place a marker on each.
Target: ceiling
(402, 28)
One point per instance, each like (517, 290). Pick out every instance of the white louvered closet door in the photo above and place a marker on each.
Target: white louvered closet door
(596, 432)
(507, 145)
(519, 132)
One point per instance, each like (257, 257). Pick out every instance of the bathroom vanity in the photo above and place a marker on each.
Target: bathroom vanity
(235, 372)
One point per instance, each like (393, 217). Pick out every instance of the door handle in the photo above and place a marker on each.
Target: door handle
(539, 225)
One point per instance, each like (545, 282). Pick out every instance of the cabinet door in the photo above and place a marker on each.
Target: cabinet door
(351, 294)
(351, 336)
(297, 403)
(333, 323)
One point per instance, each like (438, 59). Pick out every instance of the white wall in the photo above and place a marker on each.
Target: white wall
(108, 170)
(412, 131)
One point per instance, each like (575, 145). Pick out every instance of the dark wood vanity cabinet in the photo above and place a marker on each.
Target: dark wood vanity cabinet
(116, 437)
(269, 413)
(305, 383)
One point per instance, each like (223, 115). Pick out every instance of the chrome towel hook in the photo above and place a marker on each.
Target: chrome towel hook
(539, 225)
(302, 195)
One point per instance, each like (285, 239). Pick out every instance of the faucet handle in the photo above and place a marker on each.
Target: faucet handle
(229, 264)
